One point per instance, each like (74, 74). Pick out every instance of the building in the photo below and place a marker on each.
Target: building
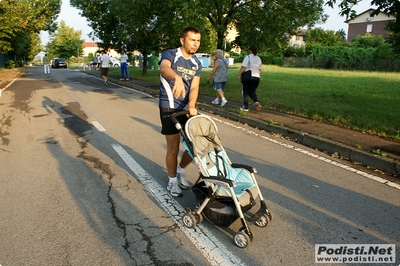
(297, 40)
(367, 23)
(91, 47)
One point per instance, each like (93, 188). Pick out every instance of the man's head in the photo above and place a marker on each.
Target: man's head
(190, 41)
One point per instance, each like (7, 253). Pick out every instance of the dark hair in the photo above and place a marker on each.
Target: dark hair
(253, 49)
(189, 29)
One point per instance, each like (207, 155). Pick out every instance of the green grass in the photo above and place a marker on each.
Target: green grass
(365, 101)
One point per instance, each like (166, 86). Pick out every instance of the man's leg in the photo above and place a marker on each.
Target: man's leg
(171, 159)
(127, 71)
(122, 71)
(185, 160)
(173, 142)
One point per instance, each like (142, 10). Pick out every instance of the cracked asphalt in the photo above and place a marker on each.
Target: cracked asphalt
(64, 200)
(83, 183)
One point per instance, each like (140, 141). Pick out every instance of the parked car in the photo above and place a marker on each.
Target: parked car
(59, 62)
(115, 63)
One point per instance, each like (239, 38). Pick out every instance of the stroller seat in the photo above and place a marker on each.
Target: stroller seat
(219, 166)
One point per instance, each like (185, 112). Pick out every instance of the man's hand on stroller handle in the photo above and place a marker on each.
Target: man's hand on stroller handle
(192, 111)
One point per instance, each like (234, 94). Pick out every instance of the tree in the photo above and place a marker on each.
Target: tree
(267, 23)
(367, 41)
(25, 46)
(65, 42)
(24, 18)
(151, 27)
(324, 37)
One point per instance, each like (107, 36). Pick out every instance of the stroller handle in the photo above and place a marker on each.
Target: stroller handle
(178, 125)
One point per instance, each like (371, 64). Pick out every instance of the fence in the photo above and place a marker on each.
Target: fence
(4, 58)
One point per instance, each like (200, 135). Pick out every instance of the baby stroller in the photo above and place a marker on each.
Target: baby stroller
(224, 191)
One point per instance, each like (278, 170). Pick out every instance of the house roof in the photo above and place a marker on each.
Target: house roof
(89, 44)
(379, 16)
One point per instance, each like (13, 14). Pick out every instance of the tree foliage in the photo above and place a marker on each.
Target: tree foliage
(266, 22)
(324, 37)
(152, 26)
(65, 42)
(19, 19)
(149, 26)
(367, 41)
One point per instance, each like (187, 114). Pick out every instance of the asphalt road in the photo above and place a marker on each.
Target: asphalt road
(82, 174)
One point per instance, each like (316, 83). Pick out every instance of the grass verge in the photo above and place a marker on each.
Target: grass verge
(359, 100)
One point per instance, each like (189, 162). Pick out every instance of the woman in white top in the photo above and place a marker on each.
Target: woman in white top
(251, 62)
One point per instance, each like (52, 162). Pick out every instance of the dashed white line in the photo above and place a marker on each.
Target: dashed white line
(98, 126)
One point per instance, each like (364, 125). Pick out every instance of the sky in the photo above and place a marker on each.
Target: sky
(73, 20)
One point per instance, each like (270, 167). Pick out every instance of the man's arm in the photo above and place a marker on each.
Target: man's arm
(194, 93)
(168, 73)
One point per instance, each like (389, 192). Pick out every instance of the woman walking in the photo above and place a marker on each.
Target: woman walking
(220, 72)
(252, 63)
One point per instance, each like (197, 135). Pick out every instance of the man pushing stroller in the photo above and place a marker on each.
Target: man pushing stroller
(179, 88)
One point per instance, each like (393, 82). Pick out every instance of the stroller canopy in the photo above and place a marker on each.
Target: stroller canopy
(203, 133)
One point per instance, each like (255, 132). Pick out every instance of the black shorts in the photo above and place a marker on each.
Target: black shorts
(167, 126)
(104, 71)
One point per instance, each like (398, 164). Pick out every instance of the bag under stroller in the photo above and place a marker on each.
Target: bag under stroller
(224, 191)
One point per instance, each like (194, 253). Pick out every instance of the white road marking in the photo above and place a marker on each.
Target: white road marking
(98, 126)
(351, 169)
(8, 85)
(212, 249)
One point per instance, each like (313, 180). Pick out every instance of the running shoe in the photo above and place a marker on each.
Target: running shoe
(216, 101)
(174, 189)
(183, 183)
(258, 106)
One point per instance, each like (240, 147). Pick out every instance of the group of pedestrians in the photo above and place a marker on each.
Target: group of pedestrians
(252, 63)
(180, 74)
(105, 62)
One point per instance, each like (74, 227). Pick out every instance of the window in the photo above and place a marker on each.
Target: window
(369, 28)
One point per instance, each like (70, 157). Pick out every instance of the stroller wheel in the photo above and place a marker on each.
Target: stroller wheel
(270, 216)
(241, 239)
(189, 220)
(263, 221)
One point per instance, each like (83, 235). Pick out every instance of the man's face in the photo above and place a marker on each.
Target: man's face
(191, 43)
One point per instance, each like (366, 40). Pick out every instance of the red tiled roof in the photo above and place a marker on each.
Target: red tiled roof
(89, 44)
